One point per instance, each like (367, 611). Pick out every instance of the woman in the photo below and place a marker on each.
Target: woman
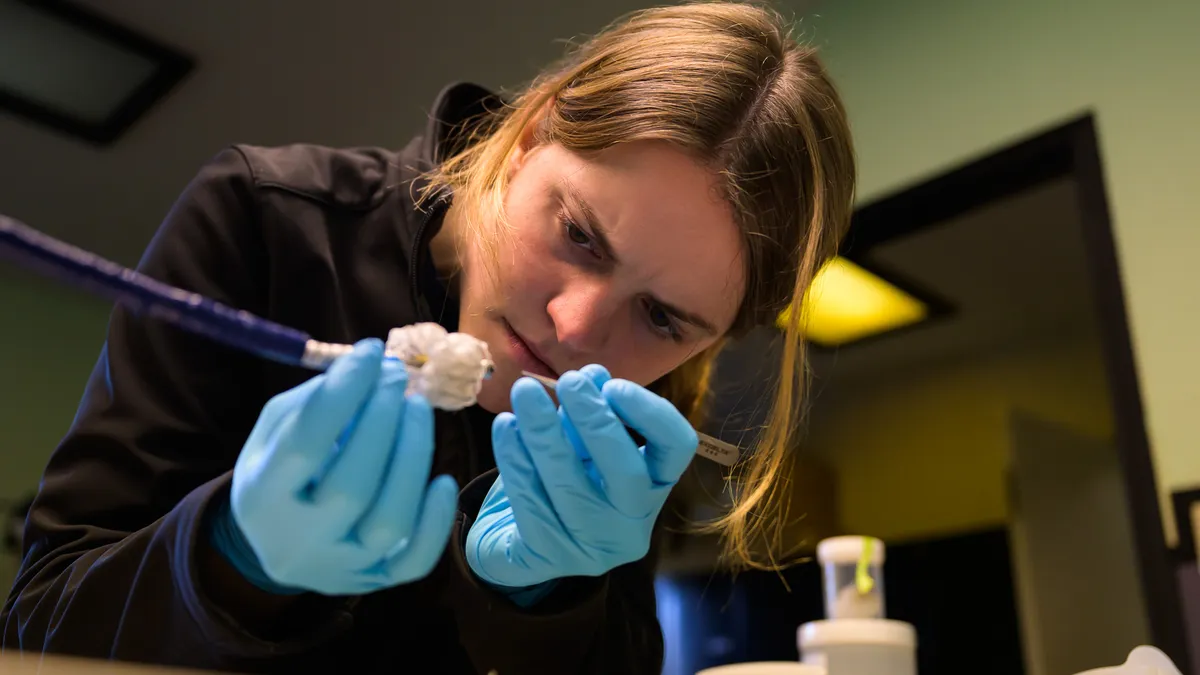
(675, 182)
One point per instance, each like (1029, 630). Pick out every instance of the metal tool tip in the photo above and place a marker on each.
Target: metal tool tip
(548, 382)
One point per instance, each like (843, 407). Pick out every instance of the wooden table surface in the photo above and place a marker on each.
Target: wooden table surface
(17, 663)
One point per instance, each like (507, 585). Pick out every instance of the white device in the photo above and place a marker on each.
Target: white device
(765, 668)
(856, 637)
(859, 646)
(1142, 661)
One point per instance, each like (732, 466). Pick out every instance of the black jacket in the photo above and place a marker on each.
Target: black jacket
(328, 241)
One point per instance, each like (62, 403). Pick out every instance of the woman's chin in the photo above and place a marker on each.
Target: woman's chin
(494, 395)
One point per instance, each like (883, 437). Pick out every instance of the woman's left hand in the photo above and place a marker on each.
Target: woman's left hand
(576, 496)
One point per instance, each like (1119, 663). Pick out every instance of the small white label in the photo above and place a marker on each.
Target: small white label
(717, 450)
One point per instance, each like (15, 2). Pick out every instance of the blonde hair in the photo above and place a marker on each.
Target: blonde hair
(727, 83)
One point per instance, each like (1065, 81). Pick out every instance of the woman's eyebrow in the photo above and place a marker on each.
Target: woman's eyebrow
(688, 317)
(599, 234)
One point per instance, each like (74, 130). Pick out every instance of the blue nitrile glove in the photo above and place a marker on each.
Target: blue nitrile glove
(545, 517)
(331, 492)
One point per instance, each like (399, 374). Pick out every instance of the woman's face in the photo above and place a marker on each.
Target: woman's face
(629, 259)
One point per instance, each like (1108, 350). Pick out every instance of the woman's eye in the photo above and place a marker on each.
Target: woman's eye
(576, 235)
(661, 321)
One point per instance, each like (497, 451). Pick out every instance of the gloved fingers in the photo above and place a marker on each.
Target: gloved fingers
(255, 467)
(436, 520)
(351, 484)
(589, 466)
(531, 506)
(394, 514)
(618, 461)
(541, 434)
(282, 404)
(670, 439)
(304, 447)
(597, 373)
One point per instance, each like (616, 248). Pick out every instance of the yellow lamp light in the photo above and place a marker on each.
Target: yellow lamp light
(847, 303)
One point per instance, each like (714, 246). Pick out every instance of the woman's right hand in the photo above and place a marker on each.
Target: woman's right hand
(330, 493)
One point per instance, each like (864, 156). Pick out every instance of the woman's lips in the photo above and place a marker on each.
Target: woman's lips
(525, 356)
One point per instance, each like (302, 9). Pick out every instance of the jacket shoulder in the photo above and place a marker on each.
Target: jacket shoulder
(348, 178)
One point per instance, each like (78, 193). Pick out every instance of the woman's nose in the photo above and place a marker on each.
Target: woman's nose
(584, 315)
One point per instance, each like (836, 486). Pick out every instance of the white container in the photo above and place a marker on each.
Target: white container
(765, 668)
(1144, 660)
(839, 558)
(859, 646)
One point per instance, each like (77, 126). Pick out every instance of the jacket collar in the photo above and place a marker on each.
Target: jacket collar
(457, 107)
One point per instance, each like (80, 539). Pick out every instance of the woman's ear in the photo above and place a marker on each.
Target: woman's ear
(529, 137)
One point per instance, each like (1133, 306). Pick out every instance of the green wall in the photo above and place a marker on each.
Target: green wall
(49, 343)
(932, 83)
(922, 454)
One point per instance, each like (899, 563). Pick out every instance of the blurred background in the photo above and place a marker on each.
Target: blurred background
(1034, 511)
